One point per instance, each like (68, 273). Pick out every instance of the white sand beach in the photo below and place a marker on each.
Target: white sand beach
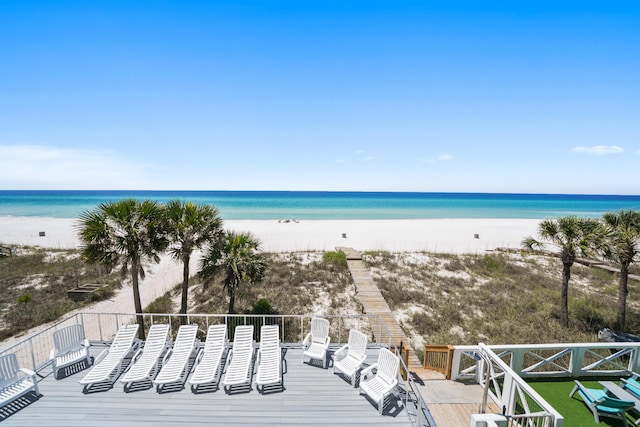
(431, 235)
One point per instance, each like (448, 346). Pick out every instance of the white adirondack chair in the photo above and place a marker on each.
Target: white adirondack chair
(383, 383)
(175, 366)
(15, 382)
(316, 343)
(269, 358)
(350, 357)
(70, 352)
(145, 363)
(209, 359)
(239, 359)
(108, 365)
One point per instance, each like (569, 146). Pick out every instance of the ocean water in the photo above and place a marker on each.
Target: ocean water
(329, 205)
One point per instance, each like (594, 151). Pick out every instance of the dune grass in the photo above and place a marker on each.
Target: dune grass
(35, 285)
(495, 298)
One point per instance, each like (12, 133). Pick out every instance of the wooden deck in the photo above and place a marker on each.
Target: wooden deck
(313, 396)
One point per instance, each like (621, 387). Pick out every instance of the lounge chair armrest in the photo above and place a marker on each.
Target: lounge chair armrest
(327, 342)
(28, 372)
(52, 354)
(340, 351)
(85, 343)
(199, 356)
(166, 357)
(101, 356)
(229, 357)
(306, 340)
(368, 370)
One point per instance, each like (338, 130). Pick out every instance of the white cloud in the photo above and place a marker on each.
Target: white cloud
(46, 167)
(368, 158)
(438, 158)
(598, 150)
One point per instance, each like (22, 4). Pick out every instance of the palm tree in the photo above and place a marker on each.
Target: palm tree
(127, 233)
(572, 236)
(237, 260)
(190, 227)
(623, 246)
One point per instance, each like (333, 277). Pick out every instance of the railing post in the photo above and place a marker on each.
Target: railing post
(33, 356)
(517, 360)
(577, 359)
(634, 359)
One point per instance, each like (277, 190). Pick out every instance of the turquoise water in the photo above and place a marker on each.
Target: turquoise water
(329, 205)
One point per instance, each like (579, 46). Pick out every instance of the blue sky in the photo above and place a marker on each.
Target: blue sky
(490, 96)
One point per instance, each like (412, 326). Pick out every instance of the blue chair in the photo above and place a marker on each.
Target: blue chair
(601, 404)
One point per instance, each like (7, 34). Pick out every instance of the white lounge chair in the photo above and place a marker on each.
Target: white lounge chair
(383, 383)
(209, 359)
(239, 359)
(15, 382)
(146, 362)
(70, 352)
(108, 365)
(316, 343)
(350, 357)
(175, 365)
(269, 358)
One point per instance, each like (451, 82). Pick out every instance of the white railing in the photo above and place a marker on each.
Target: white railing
(520, 403)
(100, 329)
(569, 360)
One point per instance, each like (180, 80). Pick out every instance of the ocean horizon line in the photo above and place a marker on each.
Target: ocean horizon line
(307, 205)
(465, 193)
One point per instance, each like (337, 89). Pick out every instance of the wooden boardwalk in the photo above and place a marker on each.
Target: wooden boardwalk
(374, 303)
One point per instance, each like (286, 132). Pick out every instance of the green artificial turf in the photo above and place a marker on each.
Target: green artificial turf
(574, 411)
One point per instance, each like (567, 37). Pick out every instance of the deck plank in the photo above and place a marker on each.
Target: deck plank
(313, 396)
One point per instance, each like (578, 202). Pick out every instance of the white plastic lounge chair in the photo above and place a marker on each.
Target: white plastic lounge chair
(602, 405)
(108, 366)
(15, 382)
(316, 343)
(175, 365)
(269, 358)
(70, 352)
(209, 359)
(239, 359)
(350, 357)
(145, 363)
(384, 381)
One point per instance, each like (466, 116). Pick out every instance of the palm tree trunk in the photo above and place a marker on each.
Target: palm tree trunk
(185, 288)
(136, 298)
(623, 292)
(232, 300)
(564, 294)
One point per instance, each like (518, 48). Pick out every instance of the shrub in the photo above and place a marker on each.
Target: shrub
(337, 259)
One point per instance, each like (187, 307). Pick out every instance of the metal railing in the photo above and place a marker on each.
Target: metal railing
(100, 328)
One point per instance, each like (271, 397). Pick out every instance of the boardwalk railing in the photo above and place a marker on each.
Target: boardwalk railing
(100, 329)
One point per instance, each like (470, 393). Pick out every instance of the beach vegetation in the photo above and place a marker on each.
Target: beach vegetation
(235, 259)
(35, 284)
(623, 247)
(124, 234)
(335, 259)
(463, 299)
(190, 227)
(571, 237)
